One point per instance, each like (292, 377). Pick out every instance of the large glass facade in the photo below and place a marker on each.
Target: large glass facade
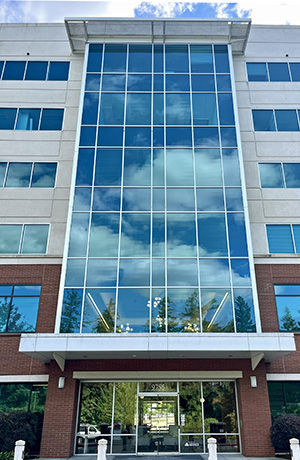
(158, 238)
(157, 417)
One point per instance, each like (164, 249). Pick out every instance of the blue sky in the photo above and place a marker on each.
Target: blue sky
(261, 11)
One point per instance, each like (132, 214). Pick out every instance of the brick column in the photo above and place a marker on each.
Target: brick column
(255, 415)
(60, 415)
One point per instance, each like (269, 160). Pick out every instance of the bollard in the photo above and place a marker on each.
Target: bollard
(102, 446)
(212, 449)
(295, 450)
(19, 450)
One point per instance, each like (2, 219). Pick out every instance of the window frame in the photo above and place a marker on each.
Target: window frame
(4, 61)
(282, 164)
(275, 120)
(33, 163)
(21, 242)
(285, 295)
(292, 237)
(268, 72)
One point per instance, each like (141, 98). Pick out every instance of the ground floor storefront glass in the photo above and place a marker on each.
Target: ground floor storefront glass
(157, 417)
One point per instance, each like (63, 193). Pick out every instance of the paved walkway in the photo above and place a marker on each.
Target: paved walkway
(166, 457)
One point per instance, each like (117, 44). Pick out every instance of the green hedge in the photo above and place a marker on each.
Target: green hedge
(17, 425)
(283, 429)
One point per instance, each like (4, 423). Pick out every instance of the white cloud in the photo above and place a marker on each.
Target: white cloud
(165, 9)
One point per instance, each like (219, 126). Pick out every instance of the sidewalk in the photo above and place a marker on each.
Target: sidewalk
(165, 457)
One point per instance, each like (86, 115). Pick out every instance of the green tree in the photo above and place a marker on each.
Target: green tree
(11, 318)
(214, 326)
(243, 316)
(105, 322)
(288, 323)
(71, 313)
(191, 314)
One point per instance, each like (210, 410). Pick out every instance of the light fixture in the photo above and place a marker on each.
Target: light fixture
(61, 382)
(253, 381)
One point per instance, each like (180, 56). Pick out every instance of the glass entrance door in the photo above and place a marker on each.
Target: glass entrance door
(158, 424)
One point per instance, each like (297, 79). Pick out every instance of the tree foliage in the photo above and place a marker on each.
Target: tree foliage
(284, 428)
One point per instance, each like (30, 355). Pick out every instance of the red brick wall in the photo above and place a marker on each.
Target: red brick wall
(12, 362)
(61, 405)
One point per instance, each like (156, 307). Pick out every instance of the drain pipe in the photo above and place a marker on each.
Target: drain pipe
(212, 449)
(102, 447)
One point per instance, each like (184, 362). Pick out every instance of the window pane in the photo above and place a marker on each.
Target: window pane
(3, 167)
(158, 199)
(158, 167)
(140, 58)
(285, 289)
(82, 199)
(231, 167)
(203, 83)
(133, 310)
(108, 136)
(158, 82)
(208, 167)
(179, 137)
(178, 110)
(108, 167)
(220, 410)
(158, 109)
(134, 272)
(210, 199)
(104, 238)
(79, 234)
(292, 174)
(295, 71)
(10, 236)
(257, 71)
(14, 70)
(115, 58)
(23, 314)
(28, 119)
(180, 199)
(206, 137)
(212, 235)
(271, 175)
(263, 120)
(183, 310)
(87, 136)
(135, 238)
(58, 71)
(158, 323)
(158, 58)
(180, 167)
(138, 137)
(23, 290)
(90, 109)
(158, 137)
(44, 175)
(112, 109)
(244, 310)
(95, 58)
(125, 412)
(4, 309)
(237, 235)
(111, 82)
(158, 274)
(101, 272)
(296, 232)
(158, 235)
(71, 310)
(75, 272)
(201, 59)
(52, 119)
(177, 59)
(99, 315)
(85, 167)
(223, 83)
(204, 109)
(139, 82)
(214, 272)
(228, 137)
(286, 120)
(240, 272)
(138, 109)
(36, 70)
(217, 313)
(181, 236)
(177, 83)
(280, 239)
(221, 59)
(288, 313)
(136, 199)
(279, 71)
(190, 410)
(182, 272)
(7, 118)
(35, 239)
(137, 167)
(1, 67)
(226, 109)
(18, 175)
(106, 199)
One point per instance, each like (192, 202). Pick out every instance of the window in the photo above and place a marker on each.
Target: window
(34, 70)
(23, 239)
(24, 175)
(283, 239)
(275, 120)
(288, 306)
(31, 119)
(284, 398)
(273, 71)
(19, 307)
(279, 175)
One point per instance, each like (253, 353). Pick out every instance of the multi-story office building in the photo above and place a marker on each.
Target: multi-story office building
(149, 232)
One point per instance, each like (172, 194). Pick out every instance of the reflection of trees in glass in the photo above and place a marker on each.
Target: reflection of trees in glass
(106, 321)
(125, 406)
(11, 318)
(70, 319)
(243, 317)
(191, 315)
(214, 326)
(219, 405)
(288, 323)
(96, 404)
(190, 407)
(159, 316)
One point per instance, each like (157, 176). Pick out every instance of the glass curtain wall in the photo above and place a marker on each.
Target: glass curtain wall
(158, 239)
(157, 417)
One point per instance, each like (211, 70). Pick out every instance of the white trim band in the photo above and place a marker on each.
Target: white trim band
(279, 377)
(43, 378)
(158, 376)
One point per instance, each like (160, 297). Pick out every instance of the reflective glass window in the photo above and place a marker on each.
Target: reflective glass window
(138, 137)
(221, 59)
(95, 57)
(58, 71)
(292, 174)
(158, 82)
(178, 109)
(158, 137)
(219, 402)
(287, 303)
(44, 175)
(263, 120)
(18, 175)
(176, 59)
(203, 83)
(138, 109)
(113, 82)
(137, 167)
(278, 71)
(181, 235)
(71, 310)
(210, 199)
(35, 238)
(28, 119)
(226, 109)
(36, 70)
(133, 310)
(158, 273)
(125, 413)
(115, 58)
(286, 120)
(108, 167)
(90, 109)
(112, 109)
(79, 235)
(228, 137)
(109, 136)
(99, 317)
(14, 70)
(52, 119)
(204, 109)
(139, 82)
(214, 272)
(82, 199)
(182, 272)
(10, 236)
(180, 199)
(212, 235)
(135, 236)
(158, 109)
(158, 59)
(101, 272)
(75, 272)
(231, 167)
(158, 203)
(295, 71)
(224, 83)
(234, 199)
(296, 232)
(179, 137)
(201, 59)
(217, 312)
(183, 310)
(271, 175)
(158, 235)
(106, 199)
(257, 71)
(158, 320)
(158, 167)
(85, 166)
(237, 235)
(134, 272)
(244, 310)
(208, 167)
(177, 83)
(7, 118)
(104, 235)
(206, 137)
(180, 167)
(136, 199)
(87, 136)
(3, 167)
(140, 58)
(280, 239)
(240, 272)
(1, 67)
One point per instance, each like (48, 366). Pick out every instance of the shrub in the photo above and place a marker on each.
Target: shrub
(7, 455)
(17, 425)
(283, 429)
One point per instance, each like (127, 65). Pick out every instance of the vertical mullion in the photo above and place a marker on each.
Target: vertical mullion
(31, 174)
(268, 73)
(283, 175)
(137, 417)
(112, 417)
(151, 190)
(21, 239)
(293, 238)
(16, 119)
(274, 118)
(165, 188)
(195, 190)
(237, 413)
(47, 71)
(40, 119)
(202, 412)
(25, 70)
(5, 175)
